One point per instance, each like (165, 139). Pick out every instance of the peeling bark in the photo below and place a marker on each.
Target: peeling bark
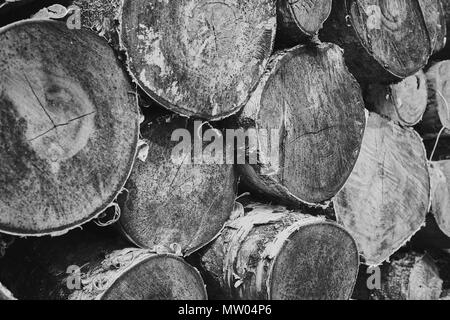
(271, 253)
(96, 265)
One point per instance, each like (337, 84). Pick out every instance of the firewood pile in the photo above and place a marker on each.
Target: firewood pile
(235, 149)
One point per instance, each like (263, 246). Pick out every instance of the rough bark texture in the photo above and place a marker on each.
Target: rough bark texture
(440, 194)
(172, 197)
(198, 58)
(410, 277)
(383, 40)
(386, 199)
(404, 102)
(271, 253)
(48, 269)
(300, 20)
(437, 114)
(312, 110)
(68, 137)
(103, 17)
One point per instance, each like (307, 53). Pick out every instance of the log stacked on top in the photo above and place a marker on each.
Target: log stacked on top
(92, 121)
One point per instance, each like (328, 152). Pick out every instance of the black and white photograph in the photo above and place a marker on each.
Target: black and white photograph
(227, 156)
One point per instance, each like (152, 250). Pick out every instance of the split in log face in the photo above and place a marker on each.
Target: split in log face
(68, 137)
(275, 254)
(198, 58)
(299, 20)
(47, 269)
(410, 277)
(404, 102)
(176, 202)
(315, 106)
(386, 198)
(383, 39)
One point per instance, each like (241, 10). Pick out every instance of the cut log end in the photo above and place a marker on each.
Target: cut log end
(386, 199)
(161, 277)
(404, 102)
(410, 277)
(272, 253)
(96, 264)
(300, 20)
(198, 58)
(312, 110)
(435, 20)
(68, 138)
(171, 202)
(440, 183)
(439, 87)
(384, 40)
(303, 251)
(403, 26)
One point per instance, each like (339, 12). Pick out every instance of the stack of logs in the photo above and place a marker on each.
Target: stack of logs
(126, 172)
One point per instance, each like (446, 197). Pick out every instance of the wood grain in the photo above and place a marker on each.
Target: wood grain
(46, 269)
(386, 199)
(184, 203)
(410, 277)
(298, 21)
(198, 58)
(440, 194)
(383, 40)
(404, 102)
(315, 106)
(276, 254)
(68, 137)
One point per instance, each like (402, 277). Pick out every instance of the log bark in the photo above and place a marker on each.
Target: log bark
(181, 198)
(410, 276)
(383, 40)
(307, 121)
(68, 138)
(276, 254)
(386, 199)
(299, 21)
(404, 102)
(437, 114)
(96, 265)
